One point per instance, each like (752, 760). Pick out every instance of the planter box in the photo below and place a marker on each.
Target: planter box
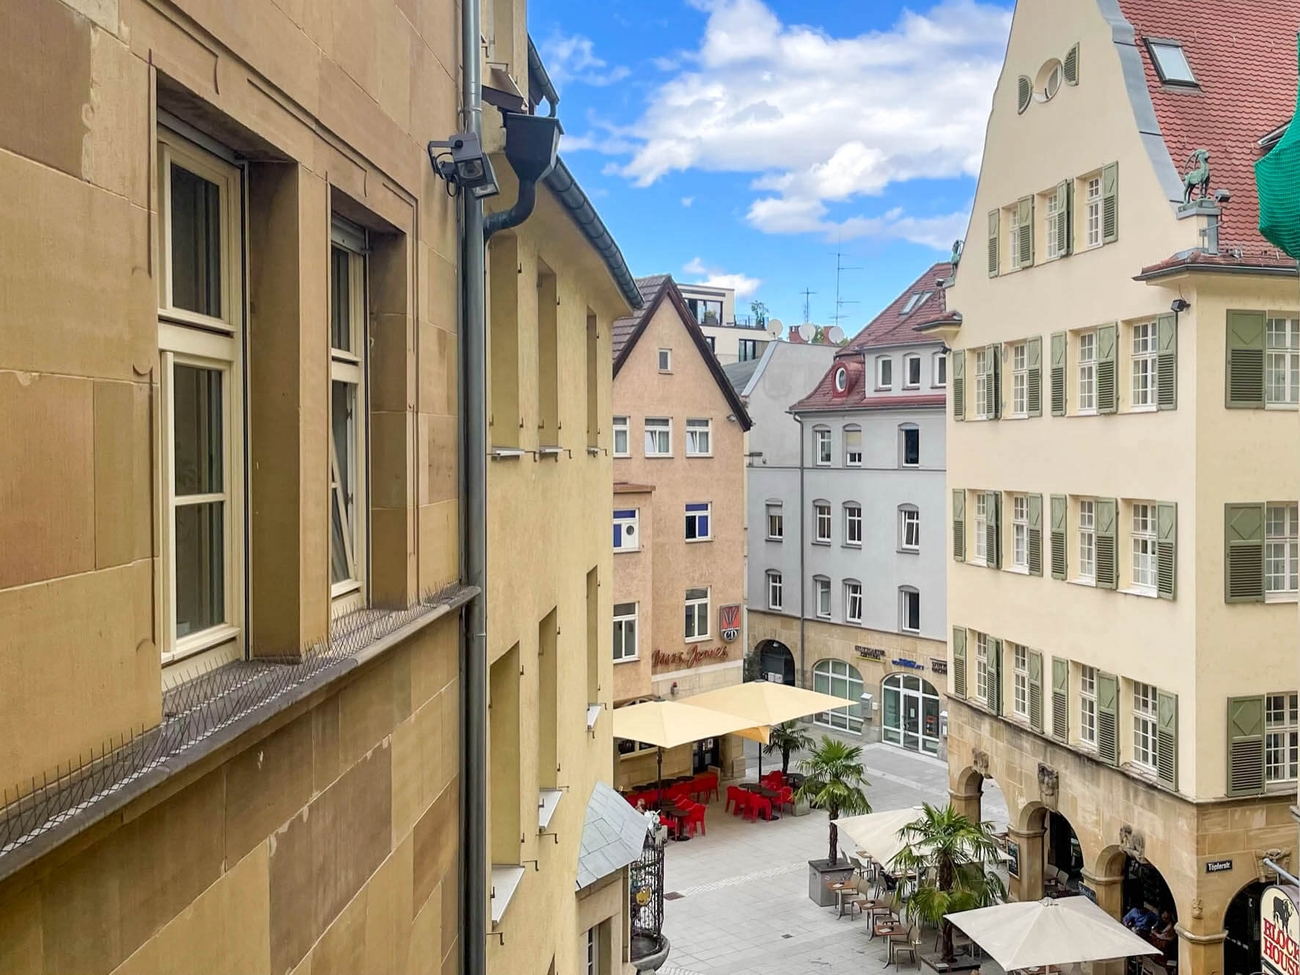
(801, 808)
(821, 873)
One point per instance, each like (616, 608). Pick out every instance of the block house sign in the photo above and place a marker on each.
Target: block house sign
(1279, 931)
(690, 657)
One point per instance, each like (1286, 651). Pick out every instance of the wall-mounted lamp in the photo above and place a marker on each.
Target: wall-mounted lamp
(673, 690)
(731, 417)
(1179, 305)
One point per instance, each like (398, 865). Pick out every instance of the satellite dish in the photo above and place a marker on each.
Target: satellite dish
(807, 330)
(835, 334)
(775, 327)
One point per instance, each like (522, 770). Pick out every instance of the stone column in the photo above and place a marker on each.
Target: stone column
(1110, 894)
(1200, 952)
(966, 804)
(1029, 886)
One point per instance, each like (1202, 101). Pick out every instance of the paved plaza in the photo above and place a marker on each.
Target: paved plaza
(738, 897)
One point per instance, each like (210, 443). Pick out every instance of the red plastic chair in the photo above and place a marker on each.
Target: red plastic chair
(696, 818)
(785, 797)
(758, 804)
(710, 780)
(734, 795)
(742, 802)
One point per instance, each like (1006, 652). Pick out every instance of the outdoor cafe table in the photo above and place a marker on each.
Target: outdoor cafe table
(681, 816)
(841, 890)
(765, 792)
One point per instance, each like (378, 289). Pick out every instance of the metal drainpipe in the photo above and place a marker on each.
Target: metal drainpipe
(803, 583)
(474, 663)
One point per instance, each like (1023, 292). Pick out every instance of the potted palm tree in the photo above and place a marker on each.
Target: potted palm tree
(947, 855)
(787, 738)
(833, 780)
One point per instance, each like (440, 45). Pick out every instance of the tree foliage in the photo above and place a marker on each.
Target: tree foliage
(787, 738)
(833, 780)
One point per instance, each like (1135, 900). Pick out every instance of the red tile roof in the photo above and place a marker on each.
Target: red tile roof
(892, 326)
(1243, 54)
(1277, 264)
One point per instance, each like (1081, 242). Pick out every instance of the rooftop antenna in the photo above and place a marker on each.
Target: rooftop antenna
(841, 302)
(807, 303)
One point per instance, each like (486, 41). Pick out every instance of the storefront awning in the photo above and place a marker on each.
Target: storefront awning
(613, 834)
(672, 723)
(767, 702)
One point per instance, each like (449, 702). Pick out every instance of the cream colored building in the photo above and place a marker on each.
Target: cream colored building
(679, 508)
(1123, 472)
(714, 310)
(230, 689)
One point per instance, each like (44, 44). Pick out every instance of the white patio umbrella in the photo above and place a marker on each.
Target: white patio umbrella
(1029, 934)
(876, 833)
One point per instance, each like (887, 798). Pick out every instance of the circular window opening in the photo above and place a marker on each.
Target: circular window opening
(841, 379)
(1048, 82)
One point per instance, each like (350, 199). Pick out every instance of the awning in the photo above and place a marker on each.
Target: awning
(672, 723)
(766, 702)
(876, 833)
(613, 835)
(1029, 934)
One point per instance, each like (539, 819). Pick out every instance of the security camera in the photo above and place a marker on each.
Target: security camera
(468, 167)
(1222, 196)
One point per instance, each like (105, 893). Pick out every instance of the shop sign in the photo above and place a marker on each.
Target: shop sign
(1217, 866)
(1013, 858)
(870, 653)
(1088, 892)
(729, 621)
(690, 657)
(1279, 941)
(938, 666)
(907, 664)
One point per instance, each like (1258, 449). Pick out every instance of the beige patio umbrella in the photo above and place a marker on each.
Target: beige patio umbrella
(877, 833)
(1030, 934)
(767, 703)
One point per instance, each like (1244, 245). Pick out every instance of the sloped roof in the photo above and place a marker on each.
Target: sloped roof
(613, 835)
(740, 373)
(1243, 55)
(655, 290)
(921, 302)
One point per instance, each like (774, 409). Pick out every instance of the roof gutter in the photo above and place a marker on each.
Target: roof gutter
(537, 74)
(1190, 267)
(566, 189)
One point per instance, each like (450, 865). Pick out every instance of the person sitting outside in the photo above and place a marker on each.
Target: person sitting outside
(1140, 919)
(1163, 935)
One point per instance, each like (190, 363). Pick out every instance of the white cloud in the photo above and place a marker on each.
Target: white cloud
(821, 119)
(687, 200)
(743, 285)
(572, 58)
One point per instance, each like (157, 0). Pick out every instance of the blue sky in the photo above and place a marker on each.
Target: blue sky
(739, 142)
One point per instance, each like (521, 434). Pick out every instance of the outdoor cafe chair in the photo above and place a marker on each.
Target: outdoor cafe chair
(756, 804)
(910, 943)
(881, 908)
(735, 795)
(785, 797)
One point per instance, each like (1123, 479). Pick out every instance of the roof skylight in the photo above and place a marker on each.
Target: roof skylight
(914, 299)
(1171, 62)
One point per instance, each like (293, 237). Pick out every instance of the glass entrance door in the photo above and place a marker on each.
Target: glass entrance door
(911, 713)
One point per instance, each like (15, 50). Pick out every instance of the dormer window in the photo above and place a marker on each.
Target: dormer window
(841, 379)
(1171, 62)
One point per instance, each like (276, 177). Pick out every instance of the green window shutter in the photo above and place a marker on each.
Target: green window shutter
(1034, 376)
(1035, 690)
(959, 661)
(995, 242)
(1060, 344)
(993, 530)
(958, 525)
(1071, 66)
(1106, 513)
(1065, 223)
(1060, 699)
(1167, 738)
(1167, 362)
(1025, 228)
(1243, 553)
(995, 379)
(1166, 549)
(995, 675)
(1108, 718)
(1060, 508)
(1245, 385)
(1024, 93)
(1245, 746)
(1107, 369)
(958, 358)
(1035, 505)
(1110, 203)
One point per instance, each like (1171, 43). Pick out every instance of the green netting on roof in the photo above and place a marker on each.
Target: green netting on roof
(1277, 177)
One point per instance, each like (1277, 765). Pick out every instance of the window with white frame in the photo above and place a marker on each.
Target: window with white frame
(1282, 366)
(658, 436)
(822, 446)
(775, 521)
(627, 536)
(347, 415)
(884, 372)
(822, 519)
(200, 329)
(697, 614)
(1144, 726)
(1280, 549)
(592, 961)
(1020, 681)
(852, 524)
(665, 360)
(1092, 211)
(981, 526)
(1020, 532)
(984, 391)
(982, 668)
(1087, 372)
(909, 531)
(940, 369)
(775, 590)
(1013, 232)
(621, 439)
(1088, 705)
(909, 609)
(909, 447)
(1054, 218)
(625, 646)
(911, 371)
(822, 595)
(1019, 379)
(1087, 539)
(852, 447)
(1144, 545)
(1143, 365)
(852, 601)
(1281, 737)
(697, 521)
(839, 679)
(699, 438)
